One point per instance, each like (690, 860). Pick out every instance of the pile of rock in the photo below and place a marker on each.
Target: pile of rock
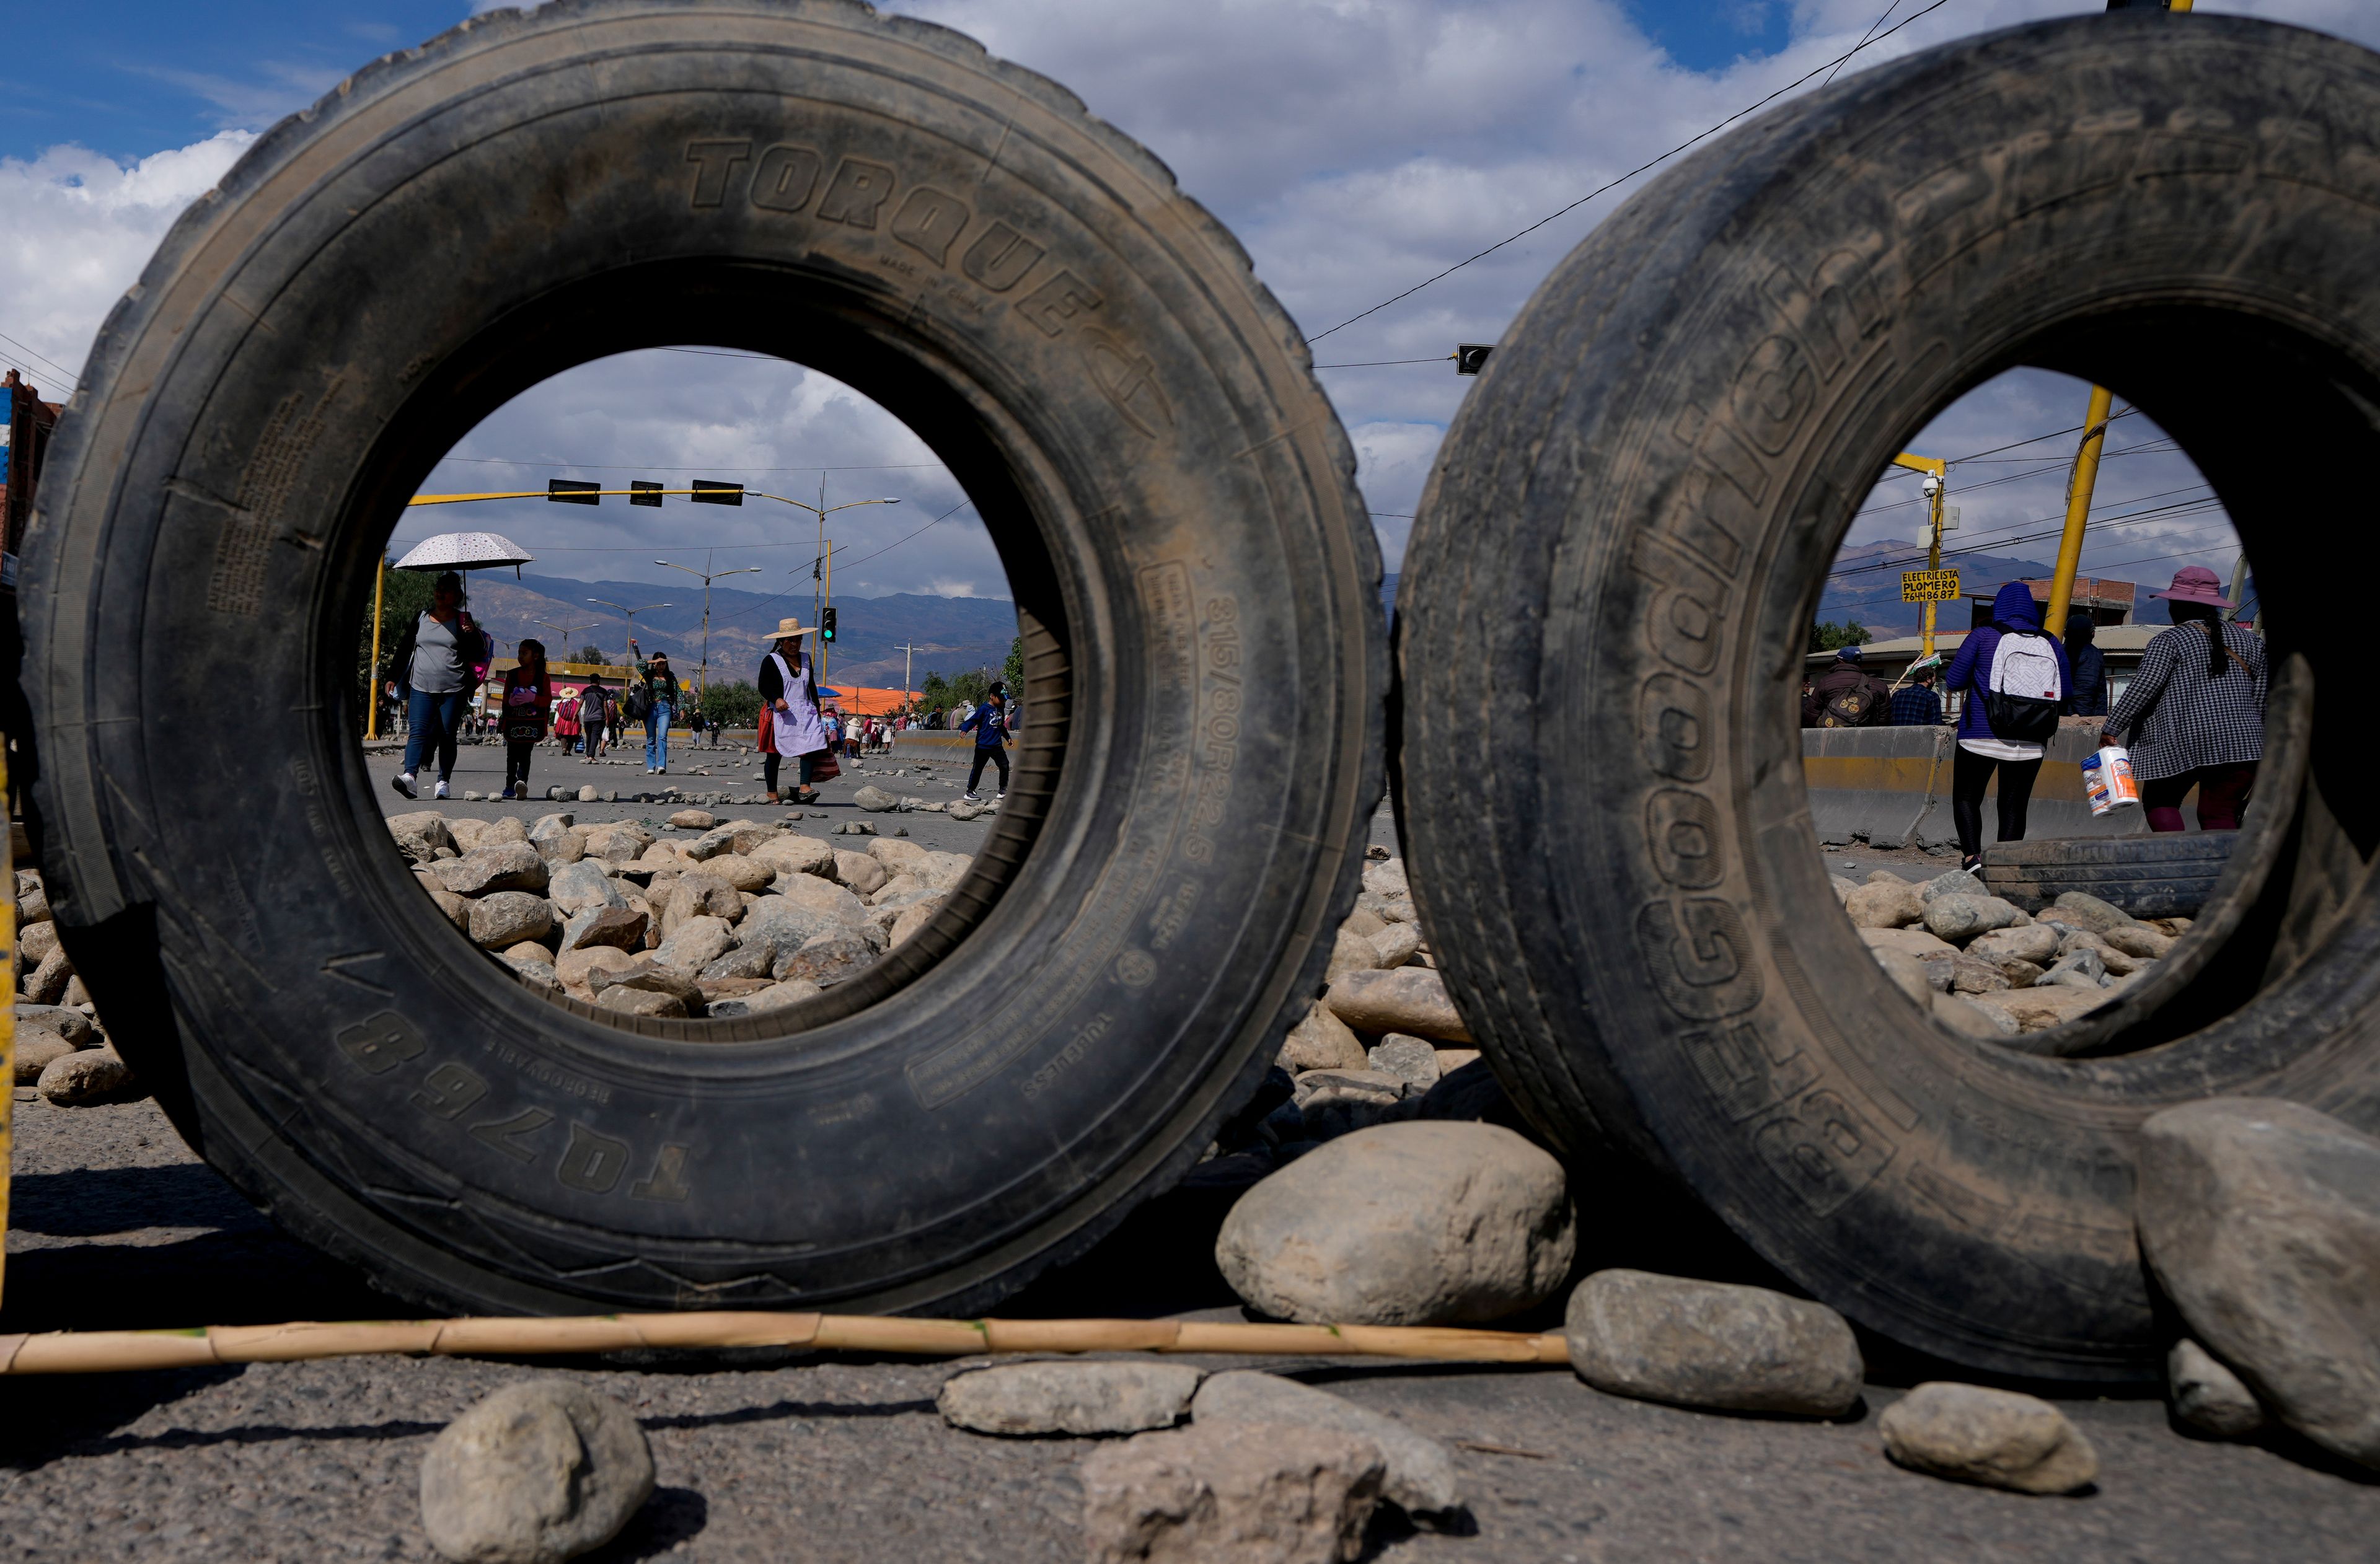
(1267, 1468)
(720, 918)
(1983, 964)
(61, 1049)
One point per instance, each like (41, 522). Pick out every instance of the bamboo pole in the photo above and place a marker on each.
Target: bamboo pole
(103, 1351)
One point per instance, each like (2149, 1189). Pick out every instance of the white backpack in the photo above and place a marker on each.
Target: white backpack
(2023, 694)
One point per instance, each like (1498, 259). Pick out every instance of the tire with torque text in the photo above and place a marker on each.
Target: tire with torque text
(1623, 545)
(1133, 417)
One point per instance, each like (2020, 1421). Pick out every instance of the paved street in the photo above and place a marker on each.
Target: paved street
(115, 1223)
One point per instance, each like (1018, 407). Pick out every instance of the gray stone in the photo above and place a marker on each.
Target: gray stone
(575, 886)
(747, 875)
(825, 896)
(1969, 975)
(34, 943)
(2086, 911)
(574, 969)
(1957, 883)
(1420, 1475)
(961, 809)
(1909, 941)
(699, 893)
(1231, 1492)
(1973, 1020)
(1891, 904)
(2034, 942)
(779, 995)
(750, 959)
(1396, 944)
(2206, 1396)
(507, 917)
(1408, 1058)
(2076, 969)
(589, 793)
(505, 865)
(2138, 939)
(1411, 999)
(562, 847)
(1422, 1223)
(875, 800)
(2000, 1438)
(697, 943)
(36, 1049)
(619, 927)
(2038, 1009)
(1321, 1041)
(2261, 1220)
(545, 828)
(86, 1075)
(910, 919)
(64, 1021)
(1711, 1344)
(1350, 952)
(420, 834)
(1387, 877)
(1122, 1396)
(1907, 975)
(457, 909)
(631, 1001)
(862, 872)
(829, 958)
(536, 1473)
(1958, 917)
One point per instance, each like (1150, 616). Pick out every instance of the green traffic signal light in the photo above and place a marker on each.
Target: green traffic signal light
(826, 625)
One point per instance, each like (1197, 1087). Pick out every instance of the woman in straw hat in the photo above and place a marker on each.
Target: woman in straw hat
(789, 712)
(2195, 709)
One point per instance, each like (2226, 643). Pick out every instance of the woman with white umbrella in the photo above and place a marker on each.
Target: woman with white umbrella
(789, 712)
(438, 663)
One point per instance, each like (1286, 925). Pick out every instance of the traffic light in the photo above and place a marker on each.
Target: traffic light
(1470, 357)
(572, 491)
(826, 623)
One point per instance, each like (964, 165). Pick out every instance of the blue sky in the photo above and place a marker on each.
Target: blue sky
(1354, 146)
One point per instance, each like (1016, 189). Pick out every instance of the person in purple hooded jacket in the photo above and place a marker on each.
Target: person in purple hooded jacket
(2014, 656)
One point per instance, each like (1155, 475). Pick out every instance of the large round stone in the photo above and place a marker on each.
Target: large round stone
(1414, 1223)
(534, 1475)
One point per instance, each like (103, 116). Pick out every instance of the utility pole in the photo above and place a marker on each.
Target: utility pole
(1934, 468)
(702, 669)
(2078, 507)
(371, 713)
(909, 671)
(564, 632)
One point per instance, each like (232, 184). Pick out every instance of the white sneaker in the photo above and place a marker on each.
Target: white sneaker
(442, 790)
(403, 783)
(998, 796)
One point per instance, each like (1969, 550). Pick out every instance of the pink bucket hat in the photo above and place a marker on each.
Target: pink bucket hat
(2196, 583)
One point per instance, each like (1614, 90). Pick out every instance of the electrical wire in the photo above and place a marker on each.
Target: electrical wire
(1631, 174)
(1864, 38)
(1382, 363)
(712, 467)
(53, 363)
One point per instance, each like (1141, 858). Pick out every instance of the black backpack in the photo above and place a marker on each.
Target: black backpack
(1850, 708)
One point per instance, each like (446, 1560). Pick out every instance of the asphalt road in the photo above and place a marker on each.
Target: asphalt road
(115, 1223)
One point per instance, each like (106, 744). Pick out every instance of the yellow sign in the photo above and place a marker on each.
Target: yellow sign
(1928, 586)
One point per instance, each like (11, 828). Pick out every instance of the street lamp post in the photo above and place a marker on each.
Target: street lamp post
(702, 669)
(562, 632)
(825, 556)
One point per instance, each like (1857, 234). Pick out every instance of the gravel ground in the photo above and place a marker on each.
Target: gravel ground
(116, 1223)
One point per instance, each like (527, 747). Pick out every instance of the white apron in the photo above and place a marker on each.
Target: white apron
(796, 730)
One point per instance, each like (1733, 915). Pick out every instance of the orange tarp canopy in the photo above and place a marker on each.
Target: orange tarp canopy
(858, 701)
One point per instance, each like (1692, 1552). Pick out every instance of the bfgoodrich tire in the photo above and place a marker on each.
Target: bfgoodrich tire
(1133, 417)
(1624, 543)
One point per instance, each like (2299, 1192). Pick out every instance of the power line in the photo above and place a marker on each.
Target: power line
(1381, 363)
(53, 363)
(861, 560)
(1864, 38)
(1631, 174)
(712, 467)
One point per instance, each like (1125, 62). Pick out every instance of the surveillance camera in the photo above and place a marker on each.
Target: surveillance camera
(1932, 486)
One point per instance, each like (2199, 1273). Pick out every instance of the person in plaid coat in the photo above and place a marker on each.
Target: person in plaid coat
(2195, 710)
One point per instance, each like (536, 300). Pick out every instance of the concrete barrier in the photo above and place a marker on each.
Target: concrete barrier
(1890, 787)
(933, 744)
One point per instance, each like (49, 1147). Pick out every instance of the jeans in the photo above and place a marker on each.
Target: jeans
(988, 752)
(430, 722)
(1970, 774)
(2222, 793)
(517, 754)
(657, 726)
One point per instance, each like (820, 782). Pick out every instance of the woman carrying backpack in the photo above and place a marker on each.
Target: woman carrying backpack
(2195, 710)
(438, 662)
(2015, 679)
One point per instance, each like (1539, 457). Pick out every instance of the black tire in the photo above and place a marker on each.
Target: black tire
(1624, 542)
(2168, 875)
(1134, 417)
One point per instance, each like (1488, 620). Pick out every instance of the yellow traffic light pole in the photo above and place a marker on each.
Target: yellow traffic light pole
(371, 713)
(2078, 508)
(1935, 469)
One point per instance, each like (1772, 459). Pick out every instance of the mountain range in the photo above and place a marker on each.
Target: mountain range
(949, 634)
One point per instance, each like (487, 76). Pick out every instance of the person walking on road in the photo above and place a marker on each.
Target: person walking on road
(528, 701)
(438, 662)
(2016, 679)
(660, 707)
(1845, 696)
(790, 723)
(595, 715)
(2195, 710)
(989, 722)
(2090, 696)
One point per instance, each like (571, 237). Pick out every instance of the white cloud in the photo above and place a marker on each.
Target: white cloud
(81, 227)
(1354, 146)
